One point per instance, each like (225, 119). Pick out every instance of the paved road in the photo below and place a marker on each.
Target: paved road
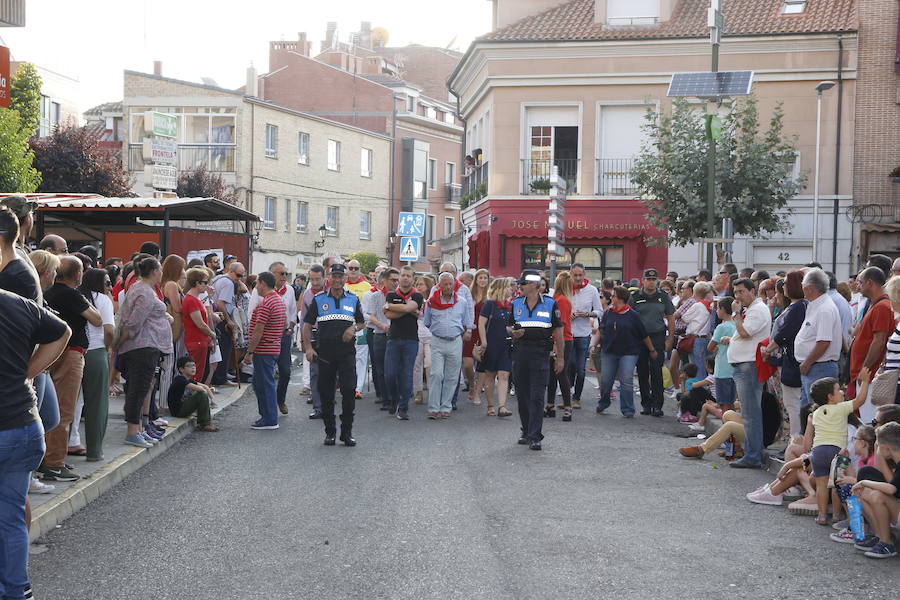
(452, 509)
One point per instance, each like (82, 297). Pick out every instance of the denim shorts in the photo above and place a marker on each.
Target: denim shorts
(821, 459)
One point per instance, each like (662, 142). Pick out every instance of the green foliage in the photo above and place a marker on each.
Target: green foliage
(541, 185)
(71, 159)
(367, 261)
(25, 96)
(203, 184)
(474, 196)
(16, 171)
(753, 172)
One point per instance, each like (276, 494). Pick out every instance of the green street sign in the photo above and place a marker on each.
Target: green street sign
(161, 124)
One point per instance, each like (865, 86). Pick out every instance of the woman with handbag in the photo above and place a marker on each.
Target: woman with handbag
(696, 335)
(562, 293)
(173, 279)
(494, 361)
(885, 387)
(785, 329)
(478, 287)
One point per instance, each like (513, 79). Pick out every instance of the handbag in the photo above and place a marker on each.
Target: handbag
(121, 335)
(478, 351)
(883, 388)
(686, 344)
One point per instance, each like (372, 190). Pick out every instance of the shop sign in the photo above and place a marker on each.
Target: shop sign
(4, 77)
(163, 152)
(161, 177)
(161, 124)
(579, 225)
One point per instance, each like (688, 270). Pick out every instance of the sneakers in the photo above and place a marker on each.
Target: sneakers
(882, 550)
(842, 524)
(765, 496)
(433, 415)
(149, 438)
(576, 404)
(149, 430)
(39, 487)
(259, 425)
(137, 440)
(402, 415)
(844, 536)
(62, 473)
(161, 423)
(687, 417)
(867, 543)
(696, 427)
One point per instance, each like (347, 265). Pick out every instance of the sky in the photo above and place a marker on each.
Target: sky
(95, 40)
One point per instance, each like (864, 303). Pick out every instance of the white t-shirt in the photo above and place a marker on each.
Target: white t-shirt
(757, 324)
(697, 319)
(821, 324)
(105, 307)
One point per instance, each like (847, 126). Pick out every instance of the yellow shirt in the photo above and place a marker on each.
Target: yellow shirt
(830, 422)
(359, 288)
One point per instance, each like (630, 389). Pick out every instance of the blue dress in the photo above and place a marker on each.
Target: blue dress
(497, 357)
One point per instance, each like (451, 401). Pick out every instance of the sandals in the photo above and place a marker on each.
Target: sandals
(823, 520)
(503, 412)
(491, 412)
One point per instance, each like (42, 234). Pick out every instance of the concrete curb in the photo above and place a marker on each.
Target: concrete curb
(47, 516)
(773, 464)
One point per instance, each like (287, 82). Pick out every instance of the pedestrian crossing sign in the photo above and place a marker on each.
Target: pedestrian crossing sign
(409, 248)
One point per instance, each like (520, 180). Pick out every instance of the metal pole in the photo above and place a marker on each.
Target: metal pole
(815, 233)
(711, 171)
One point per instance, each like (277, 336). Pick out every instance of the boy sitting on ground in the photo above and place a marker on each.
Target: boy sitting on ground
(187, 396)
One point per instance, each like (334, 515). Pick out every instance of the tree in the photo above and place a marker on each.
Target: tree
(753, 172)
(72, 160)
(17, 173)
(200, 183)
(25, 96)
(367, 261)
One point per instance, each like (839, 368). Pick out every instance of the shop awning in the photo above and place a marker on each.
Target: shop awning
(93, 207)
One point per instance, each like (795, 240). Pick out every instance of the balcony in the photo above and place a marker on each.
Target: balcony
(216, 159)
(614, 177)
(475, 185)
(452, 194)
(536, 174)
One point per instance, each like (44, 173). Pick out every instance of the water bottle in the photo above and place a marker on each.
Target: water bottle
(729, 448)
(854, 509)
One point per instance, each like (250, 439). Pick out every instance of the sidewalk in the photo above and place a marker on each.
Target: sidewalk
(49, 510)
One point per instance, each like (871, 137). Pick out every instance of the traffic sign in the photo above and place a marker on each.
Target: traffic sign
(411, 224)
(409, 248)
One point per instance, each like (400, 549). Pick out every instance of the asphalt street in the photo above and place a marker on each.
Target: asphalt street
(444, 509)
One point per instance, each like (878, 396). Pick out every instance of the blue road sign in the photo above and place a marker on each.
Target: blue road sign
(411, 224)
(409, 248)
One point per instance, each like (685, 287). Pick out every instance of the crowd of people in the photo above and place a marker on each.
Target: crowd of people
(795, 357)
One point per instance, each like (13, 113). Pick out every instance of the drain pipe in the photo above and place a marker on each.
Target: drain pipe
(837, 157)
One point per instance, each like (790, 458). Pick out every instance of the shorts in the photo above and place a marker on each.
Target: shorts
(725, 390)
(821, 459)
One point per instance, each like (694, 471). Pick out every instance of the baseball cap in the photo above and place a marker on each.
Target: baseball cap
(338, 268)
(529, 276)
(651, 274)
(230, 256)
(19, 205)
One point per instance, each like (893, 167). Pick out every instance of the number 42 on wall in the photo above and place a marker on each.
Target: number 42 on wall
(784, 257)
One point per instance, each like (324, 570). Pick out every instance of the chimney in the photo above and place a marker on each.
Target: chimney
(330, 35)
(252, 87)
(305, 47)
(365, 35)
(599, 12)
(157, 67)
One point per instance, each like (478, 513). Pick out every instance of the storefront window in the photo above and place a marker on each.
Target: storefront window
(599, 261)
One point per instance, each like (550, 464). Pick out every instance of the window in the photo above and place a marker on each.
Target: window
(432, 174)
(334, 155)
(430, 112)
(365, 225)
(450, 173)
(54, 114)
(793, 7)
(599, 261)
(365, 162)
(331, 220)
(271, 141)
(44, 121)
(302, 216)
(448, 226)
(287, 215)
(632, 12)
(411, 104)
(420, 171)
(448, 118)
(269, 213)
(303, 148)
(429, 230)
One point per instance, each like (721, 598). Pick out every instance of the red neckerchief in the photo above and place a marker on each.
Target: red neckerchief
(435, 302)
(581, 285)
(381, 289)
(707, 304)
(625, 308)
(456, 284)
(282, 290)
(407, 295)
(507, 304)
(351, 282)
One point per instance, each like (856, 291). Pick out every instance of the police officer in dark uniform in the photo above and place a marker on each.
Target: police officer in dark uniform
(338, 316)
(658, 315)
(536, 328)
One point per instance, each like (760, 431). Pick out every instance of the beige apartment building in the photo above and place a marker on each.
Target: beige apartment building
(568, 83)
(319, 186)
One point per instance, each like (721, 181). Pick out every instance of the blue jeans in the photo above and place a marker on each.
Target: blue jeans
(613, 366)
(21, 451)
(284, 367)
(399, 360)
(580, 350)
(698, 356)
(47, 402)
(264, 386)
(816, 372)
(749, 390)
(725, 390)
(379, 349)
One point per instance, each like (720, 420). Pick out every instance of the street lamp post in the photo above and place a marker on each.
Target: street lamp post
(825, 85)
(323, 231)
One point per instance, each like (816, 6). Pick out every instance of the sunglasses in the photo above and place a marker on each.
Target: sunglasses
(240, 275)
(353, 268)
(204, 281)
(280, 273)
(107, 283)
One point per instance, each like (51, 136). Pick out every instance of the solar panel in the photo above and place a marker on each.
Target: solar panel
(711, 85)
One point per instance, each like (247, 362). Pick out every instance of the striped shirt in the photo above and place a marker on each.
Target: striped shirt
(892, 358)
(270, 315)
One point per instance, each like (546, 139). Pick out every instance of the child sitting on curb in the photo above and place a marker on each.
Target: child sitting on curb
(829, 422)
(695, 392)
(881, 499)
(713, 405)
(863, 446)
(187, 396)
